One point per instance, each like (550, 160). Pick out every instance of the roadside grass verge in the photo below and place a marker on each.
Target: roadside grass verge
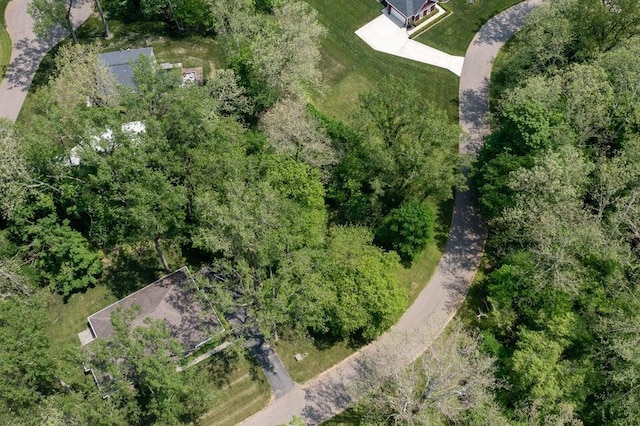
(455, 33)
(239, 389)
(5, 41)
(350, 67)
(319, 355)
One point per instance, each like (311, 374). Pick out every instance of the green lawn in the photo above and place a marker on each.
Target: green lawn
(191, 50)
(320, 356)
(350, 67)
(454, 34)
(239, 389)
(5, 41)
(66, 320)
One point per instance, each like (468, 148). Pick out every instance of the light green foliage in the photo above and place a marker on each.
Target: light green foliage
(51, 15)
(559, 180)
(589, 100)
(539, 371)
(93, 82)
(364, 279)
(451, 383)
(138, 369)
(287, 53)
(405, 149)
(292, 131)
(14, 173)
(275, 55)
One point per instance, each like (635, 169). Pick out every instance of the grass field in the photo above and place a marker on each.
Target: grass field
(66, 320)
(190, 50)
(320, 356)
(350, 67)
(454, 34)
(5, 41)
(239, 389)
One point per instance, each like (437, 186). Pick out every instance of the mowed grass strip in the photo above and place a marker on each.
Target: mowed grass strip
(66, 320)
(239, 389)
(5, 41)
(454, 34)
(349, 66)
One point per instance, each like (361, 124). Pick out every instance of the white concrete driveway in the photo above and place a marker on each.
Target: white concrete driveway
(384, 35)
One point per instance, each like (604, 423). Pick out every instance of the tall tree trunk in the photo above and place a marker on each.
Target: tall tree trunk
(70, 23)
(173, 15)
(165, 265)
(107, 34)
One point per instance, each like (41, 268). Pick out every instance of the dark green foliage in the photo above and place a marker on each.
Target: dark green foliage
(61, 256)
(138, 368)
(255, 84)
(407, 229)
(364, 280)
(27, 368)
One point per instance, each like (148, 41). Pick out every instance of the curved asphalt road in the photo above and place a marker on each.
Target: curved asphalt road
(27, 52)
(334, 390)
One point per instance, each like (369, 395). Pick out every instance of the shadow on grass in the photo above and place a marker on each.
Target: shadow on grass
(222, 365)
(132, 269)
(326, 341)
(350, 417)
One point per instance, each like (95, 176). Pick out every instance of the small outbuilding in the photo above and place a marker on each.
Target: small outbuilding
(408, 12)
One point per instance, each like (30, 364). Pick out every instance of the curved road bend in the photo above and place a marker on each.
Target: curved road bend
(27, 52)
(331, 392)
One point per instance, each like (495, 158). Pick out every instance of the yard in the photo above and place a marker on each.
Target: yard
(454, 34)
(239, 388)
(350, 67)
(5, 41)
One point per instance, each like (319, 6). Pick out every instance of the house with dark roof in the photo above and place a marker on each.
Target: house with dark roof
(120, 63)
(410, 11)
(172, 299)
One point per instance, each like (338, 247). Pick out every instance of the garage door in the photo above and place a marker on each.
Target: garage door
(398, 16)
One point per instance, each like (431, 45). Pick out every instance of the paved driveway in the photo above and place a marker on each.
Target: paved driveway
(27, 52)
(385, 35)
(333, 391)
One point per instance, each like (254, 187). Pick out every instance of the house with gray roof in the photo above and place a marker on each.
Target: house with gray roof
(120, 63)
(172, 299)
(410, 11)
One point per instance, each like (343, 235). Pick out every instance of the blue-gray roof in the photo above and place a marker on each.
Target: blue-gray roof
(408, 7)
(120, 63)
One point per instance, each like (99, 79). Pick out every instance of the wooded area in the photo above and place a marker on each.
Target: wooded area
(300, 218)
(559, 183)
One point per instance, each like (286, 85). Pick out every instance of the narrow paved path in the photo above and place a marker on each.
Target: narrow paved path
(333, 391)
(27, 52)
